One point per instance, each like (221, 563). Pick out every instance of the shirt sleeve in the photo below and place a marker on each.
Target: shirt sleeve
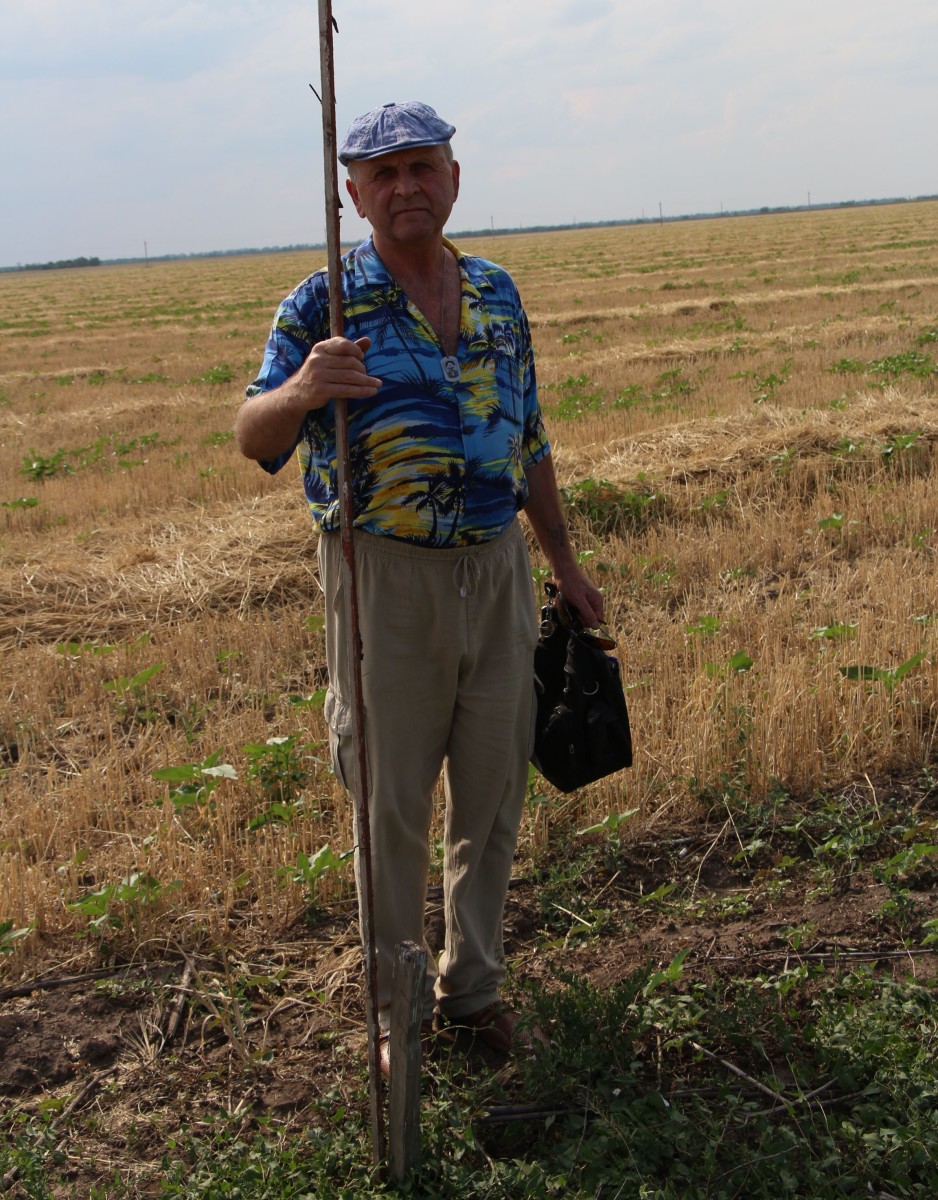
(300, 322)
(536, 443)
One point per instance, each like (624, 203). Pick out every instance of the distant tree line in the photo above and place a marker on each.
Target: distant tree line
(471, 233)
(62, 262)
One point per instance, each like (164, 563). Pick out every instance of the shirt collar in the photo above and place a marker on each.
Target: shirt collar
(370, 271)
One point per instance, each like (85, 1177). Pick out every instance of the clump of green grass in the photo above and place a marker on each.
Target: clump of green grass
(218, 375)
(914, 363)
(103, 450)
(577, 396)
(607, 508)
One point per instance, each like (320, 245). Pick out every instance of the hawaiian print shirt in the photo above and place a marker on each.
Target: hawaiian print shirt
(433, 462)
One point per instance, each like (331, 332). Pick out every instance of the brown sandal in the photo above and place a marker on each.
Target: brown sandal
(497, 1026)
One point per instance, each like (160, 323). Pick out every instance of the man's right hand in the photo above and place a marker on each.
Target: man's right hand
(333, 370)
(267, 424)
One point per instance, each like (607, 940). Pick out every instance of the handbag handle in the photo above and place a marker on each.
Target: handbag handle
(569, 618)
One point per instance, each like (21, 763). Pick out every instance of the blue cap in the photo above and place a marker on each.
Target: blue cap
(393, 127)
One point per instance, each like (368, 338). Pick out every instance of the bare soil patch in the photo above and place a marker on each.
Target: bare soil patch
(125, 1055)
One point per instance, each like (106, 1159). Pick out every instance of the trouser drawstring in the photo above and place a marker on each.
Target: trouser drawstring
(466, 575)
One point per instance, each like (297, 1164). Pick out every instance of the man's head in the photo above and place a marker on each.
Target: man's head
(393, 127)
(402, 176)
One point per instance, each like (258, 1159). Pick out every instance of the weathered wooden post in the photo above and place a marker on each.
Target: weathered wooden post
(410, 973)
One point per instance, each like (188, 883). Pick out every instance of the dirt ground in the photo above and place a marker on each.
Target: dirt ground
(119, 1057)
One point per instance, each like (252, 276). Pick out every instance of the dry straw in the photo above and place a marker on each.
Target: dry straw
(744, 419)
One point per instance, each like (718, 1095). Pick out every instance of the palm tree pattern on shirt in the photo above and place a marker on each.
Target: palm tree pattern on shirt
(436, 463)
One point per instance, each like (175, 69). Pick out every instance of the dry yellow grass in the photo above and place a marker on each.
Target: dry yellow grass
(744, 411)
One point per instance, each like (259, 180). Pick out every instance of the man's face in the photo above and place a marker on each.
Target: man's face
(406, 196)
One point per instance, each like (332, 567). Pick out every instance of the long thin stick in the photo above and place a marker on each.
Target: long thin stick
(350, 591)
(739, 1073)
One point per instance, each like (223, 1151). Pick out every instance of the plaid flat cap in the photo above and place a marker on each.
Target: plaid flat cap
(393, 127)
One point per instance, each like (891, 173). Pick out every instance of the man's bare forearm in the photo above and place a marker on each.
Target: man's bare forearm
(268, 424)
(545, 512)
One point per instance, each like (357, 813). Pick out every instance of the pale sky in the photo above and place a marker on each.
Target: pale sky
(189, 125)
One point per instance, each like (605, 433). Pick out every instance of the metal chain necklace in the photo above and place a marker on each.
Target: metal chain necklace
(449, 362)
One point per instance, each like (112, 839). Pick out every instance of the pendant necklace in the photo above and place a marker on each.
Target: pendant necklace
(449, 362)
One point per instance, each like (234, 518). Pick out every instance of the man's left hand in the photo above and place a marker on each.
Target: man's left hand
(579, 590)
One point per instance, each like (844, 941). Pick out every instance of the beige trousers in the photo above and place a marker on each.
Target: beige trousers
(447, 674)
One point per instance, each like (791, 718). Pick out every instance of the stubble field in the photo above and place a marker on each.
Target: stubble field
(744, 420)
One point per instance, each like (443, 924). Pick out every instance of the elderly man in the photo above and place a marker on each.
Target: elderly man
(447, 446)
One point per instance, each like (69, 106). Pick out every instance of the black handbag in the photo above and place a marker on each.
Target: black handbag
(582, 725)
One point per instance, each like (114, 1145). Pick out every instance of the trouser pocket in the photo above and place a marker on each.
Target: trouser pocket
(338, 715)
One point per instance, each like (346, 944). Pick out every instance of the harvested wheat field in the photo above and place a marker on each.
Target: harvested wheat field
(744, 416)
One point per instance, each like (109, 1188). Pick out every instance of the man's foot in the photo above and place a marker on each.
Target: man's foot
(499, 1028)
(427, 1032)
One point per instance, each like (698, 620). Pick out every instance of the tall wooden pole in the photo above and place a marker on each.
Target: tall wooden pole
(353, 647)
